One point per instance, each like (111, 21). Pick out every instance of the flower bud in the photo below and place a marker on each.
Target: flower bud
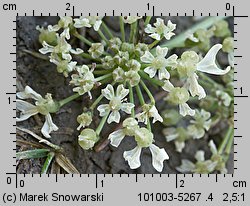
(170, 117)
(84, 119)
(127, 47)
(221, 29)
(115, 44)
(228, 45)
(143, 137)
(178, 95)
(47, 36)
(87, 138)
(96, 50)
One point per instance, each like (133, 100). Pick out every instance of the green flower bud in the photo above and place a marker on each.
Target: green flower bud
(96, 50)
(204, 39)
(221, 29)
(143, 137)
(127, 47)
(133, 65)
(178, 95)
(170, 117)
(118, 74)
(47, 36)
(87, 138)
(132, 77)
(228, 45)
(115, 44)
(140, 49)
(108, 62)
(121, 58)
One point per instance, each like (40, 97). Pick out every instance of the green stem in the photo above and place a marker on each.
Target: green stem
(151, 97)
(153, 44)
(179, 40)
(131, 99)
(68, 99)
(103, 36)
(101, 124)
(229, 145)
(209, 80)
(103, 77)
(140, 96)
(88, 56)
(96, 102)
(82, 38)
(122, 28)
(107, 30)
(104, 71)
(149, 125)
(133, 32)
(152, 80)
(225, 140)
(148, 18)
(47, 162)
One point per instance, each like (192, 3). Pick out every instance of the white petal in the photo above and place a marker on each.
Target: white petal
(149, 29)
(114, 117)
(127, 107)
(186, 166)
(213, 147)
(147, 57)
(121, 92)
(65, 33)
(66, 56)
(153, 112)
(27, 110)
(108, 92)
(158, 157)
(200, 156)
(161, 51)
(104, 109)
(46, 48)
(231, 59)
(77, 51)
(186, 110)
(195, 88)
(150, 71)
(163, 74)
(48, 126)
(133, 157)
(179, 146)
(155, 36)
(168, 86)
(29, 93)
(116, 137)
(172, 61)
(81, 22)
(97, 25)
(208, 64)
(171, 137)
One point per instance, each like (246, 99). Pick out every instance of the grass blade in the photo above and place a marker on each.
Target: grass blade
(47, 162)
(66, 164)
(32, 154)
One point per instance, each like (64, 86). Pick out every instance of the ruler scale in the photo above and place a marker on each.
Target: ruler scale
(125, 189)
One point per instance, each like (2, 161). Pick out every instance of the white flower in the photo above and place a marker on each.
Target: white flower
(95, 21)
(115, 103)
(81, 22)
(202, 166)
(159, 63)
(161, 30)
(178, 96)
(189, 64)
(217, 158)
(131, 19)
(149, 111)
(208, 64)
(62, 49)
(84, 80)
(42, 105)
(84, 119)
(201, 123)
(130, 125)
(63, 23)
(63, 66)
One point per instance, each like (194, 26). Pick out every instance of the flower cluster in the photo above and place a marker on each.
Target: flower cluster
(125, 67)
